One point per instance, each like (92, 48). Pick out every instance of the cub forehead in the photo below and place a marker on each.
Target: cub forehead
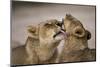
(72, 20)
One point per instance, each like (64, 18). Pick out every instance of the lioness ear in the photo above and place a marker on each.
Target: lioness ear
(88, 35)
(33, 31)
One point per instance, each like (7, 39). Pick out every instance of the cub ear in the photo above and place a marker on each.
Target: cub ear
(33, 31)
(88, 35)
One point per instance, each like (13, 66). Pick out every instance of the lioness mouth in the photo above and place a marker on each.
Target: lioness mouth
(61, 32)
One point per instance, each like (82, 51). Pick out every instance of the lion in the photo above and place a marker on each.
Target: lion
(41, 44)
(76, 44)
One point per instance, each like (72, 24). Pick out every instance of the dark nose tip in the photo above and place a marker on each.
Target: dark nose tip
(59, 24)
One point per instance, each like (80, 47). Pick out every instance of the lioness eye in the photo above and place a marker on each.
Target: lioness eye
(47, 24)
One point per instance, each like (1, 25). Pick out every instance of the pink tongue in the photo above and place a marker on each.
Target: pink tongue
(63, 33)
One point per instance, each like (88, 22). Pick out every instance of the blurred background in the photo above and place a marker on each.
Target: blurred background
(32, 13)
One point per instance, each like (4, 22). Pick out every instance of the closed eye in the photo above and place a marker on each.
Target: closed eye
(48, 25)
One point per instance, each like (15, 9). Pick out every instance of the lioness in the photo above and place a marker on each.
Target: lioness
(76, 44)
(41, 46)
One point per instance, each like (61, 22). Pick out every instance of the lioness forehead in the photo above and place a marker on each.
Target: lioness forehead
(49, 23)
(52, 21)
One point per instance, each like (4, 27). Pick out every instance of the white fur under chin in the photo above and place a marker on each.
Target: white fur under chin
(59, 37)
(59, 49)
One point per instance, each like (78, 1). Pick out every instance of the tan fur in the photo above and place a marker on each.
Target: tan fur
(76, 44)
(41, 46)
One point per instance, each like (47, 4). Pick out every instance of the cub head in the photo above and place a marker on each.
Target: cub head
(78, 36)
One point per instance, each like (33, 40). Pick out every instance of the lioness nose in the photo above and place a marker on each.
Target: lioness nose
(59, 24)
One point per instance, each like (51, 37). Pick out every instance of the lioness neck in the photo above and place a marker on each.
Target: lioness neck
(45, 53)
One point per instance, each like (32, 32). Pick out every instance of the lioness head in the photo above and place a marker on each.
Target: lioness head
(49, 34)
(77, 34)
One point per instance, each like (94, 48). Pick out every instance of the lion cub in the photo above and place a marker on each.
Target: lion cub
(41, 46)
(76, 44)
